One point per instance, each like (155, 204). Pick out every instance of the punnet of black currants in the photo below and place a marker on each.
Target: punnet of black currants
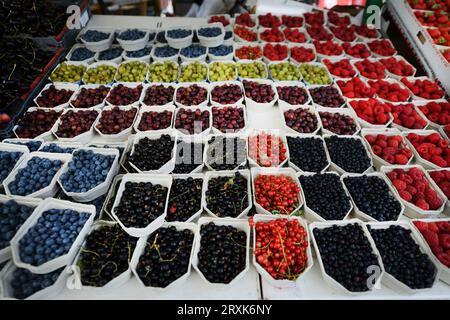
(346, 255)
(227, 196)
(308, 154)
(141, 203)
(372, 196)
(403, 258)
(348, 153)
(25, 283)
(325, 195)
(184, 199)
(166, 256)
(226, 153)
(105, 255)
(222, 254)
(189, 156)
(152, 154)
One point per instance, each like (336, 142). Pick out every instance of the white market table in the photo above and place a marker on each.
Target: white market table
(251, 286)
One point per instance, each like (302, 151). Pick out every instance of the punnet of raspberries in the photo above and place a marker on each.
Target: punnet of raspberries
(424, 88)
(391, 91)
(413, 187)
(437, 235)
(372, 111)
(442, 179)
(437, 112)
(392, 149)
(406, 116)
(355, 88)
(431, 147)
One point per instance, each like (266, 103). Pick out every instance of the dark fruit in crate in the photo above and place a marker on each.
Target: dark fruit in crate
(295, 35)
(258, 92)
(116, 120)
(292, 94)
(248, 52)
(245, 33)
(441, 36)
(139, 53)
(348, 153)
(406, 115)
(226, 94)
(319, 33)
(166, 257)
(370, 69)
(301, 120)
(338, 123)
(191, 95)
(269, 21)
(210, 32)
(105, 255)
(267, 150)
(372, 110)
(51, 236)
(275, 52)
(413, 187)
(398, 67)
(226, 153)
(245, 19)
(425, 89)
(158, 95)
(325, 195)
(152, 154)
(355, 88)
(356, 50)
(278, 194)
(308, 154)
(141, 203)
(74, 123)
(8, 160)
(382, 47)
(392, 149)
(346, 255)
(228, 119)
(431, 147)
(25, 283)
(403, 258)
(121, 95)
(184, 199)
(275, 238)
(154, 120)
(227, 196)
(341, 68)
(272, 35)
(189, 156)
(222, 254)
(327, 96)
(53, 97)
(391, 91)
(165, 51)
(302, 54)
(12, 215)
(437, 112)
(90, 97)
(442, 179)
(372, 196)
(223, 20)
(346, 34)
(35, 123)
(192, 121)
(292, 21)
(437, 235)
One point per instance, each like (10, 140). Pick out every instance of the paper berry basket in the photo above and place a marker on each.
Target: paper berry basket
(84, 137)
(181, 131)
(309, 136)
(447, 202)
(282, 103)
(211, 41)
(155, 58)
(9, 147)
(59, 86)
(77, 46)
(343, 111)
(122, 135)
(252, 133)
(222, 83)
(88, 86)
(133, 45)
(45, 136)
(116, 60)
(239, 45)
(146, 109)
(179, 43)
(98, 46)
(306, 46)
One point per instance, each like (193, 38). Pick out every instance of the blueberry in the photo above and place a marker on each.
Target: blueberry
(54, 148)
(81, 54)
(110, 54)
(349, 154)
(221, 50)
(209, 32)
(139, 53)
(131, 35)
(11, 221)
(24, 283)
(32, 145)
(165, 51)
(193, 51)
(308, 154)
(179, 33)
(7, 162)
(95, 36)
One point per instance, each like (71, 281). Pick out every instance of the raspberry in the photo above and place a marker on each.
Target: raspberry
(421, 226)
(431, 238)
(392, 175)
(444, 258)
(435, 203)
(399, 184)
(433, 138)
(411, 190)
(444, 226)
(433, 227)
(389, 150)
(371, 138)
(444, 241)
(401, 159)
(416, 173)
(405, 195)
(422, 204)
(394, 143)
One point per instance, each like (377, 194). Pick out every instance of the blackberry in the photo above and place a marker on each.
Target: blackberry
(348, 153)
(308, 154)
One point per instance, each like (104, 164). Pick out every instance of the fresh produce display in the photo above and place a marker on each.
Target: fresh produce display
(51, 236)
(338, 123)
(314, 18)
(413, 187)
(275, 52)
(220, 156)
(440, 36)
(271, 35)
(372, 111)
(292, 94)
(228, 119)
(134, 71)
(32, 145)
(349, 154)
(152, 154)
(436, 234)
(25, 283)
(431, 147)
(223, 252)
(275, 238)
(13, 215)
(131, 35)
(35, 123)
(258, 92)
(227, 196)
(249, 52)
(301, 120)
(245, 19)
(245, 34)
(319, 33)
(426, 89)
(184, 199)
(222, 71)
(442, 178)
(110, 54)
(292, 21)
(139, 53)
(269, 21)
(398, 66)
(338, 20)
(154, 120)
(116, 120)
(53, 97)
(355, 88)
(95, 36)
(73, 123)
(371, 69)
(294, 35)
(372, 196)
(406, 116)
(165, 51)
(328, 48)
(346, 34)
(102, 74)
(220, 51)
(141, 203)
(191, 95)
(68, 73)
(307, 153)
(327, 96)
(56, 148)
(392, 149)
(192, 121)
(209, 32)
(166, 71)
(357, 50)
(267, 150)
(437, 112)
(410, 265)
(253, 70)
(284, 71)
(189, 156)
(346, 255)
(391, 91)
(382, 47)
(315, 74)
(123, 95)
(178, 33)
(158, 95)
(193, 72)
(226, 94)
(166, 257)
(221, 19)
(105, 255)
(302, 54)
(340, 68)
(278, 194)
(89, 97)
(367, 32)
(193, 51)
(7, 162)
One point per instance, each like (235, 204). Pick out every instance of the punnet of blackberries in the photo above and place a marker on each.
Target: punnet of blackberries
(185, 199)
(308, 154)
(348, 153)
(152, 154)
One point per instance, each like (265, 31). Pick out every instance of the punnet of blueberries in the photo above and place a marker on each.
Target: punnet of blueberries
(36, 175)
(220, 51)
(52, 236)
(131, 35)
(95, 36)
(222, 254)
(209, 32)
(348, 153)
(165, 51)
(141, 203)
(12, 216)
(152, 154)
(189, 156)
(402, 257)
(184, 199)
(346, 255)
(139, 53)
(25, 283)
(227, 196)
(32, 145)
(55, 148)
(166, 257)
(105, 255)
(308, 154)
(179, 33)
(81, 54)
(159, 95)
(193, 51)
(226, 153)
(86, 170)
(110, 54)
(325, 195)
(372, 196)
(7, 162)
